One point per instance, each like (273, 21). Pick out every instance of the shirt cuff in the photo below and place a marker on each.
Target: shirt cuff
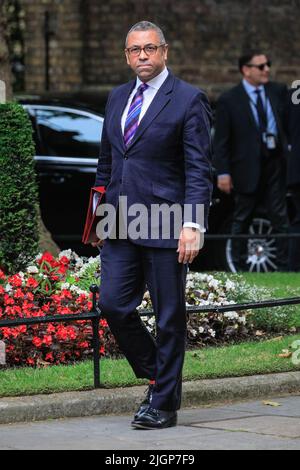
(194, 225)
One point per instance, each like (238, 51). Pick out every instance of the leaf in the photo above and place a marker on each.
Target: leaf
(278, 338)
(41, 364)
(271, 403)
(259, 333)
(285, 354)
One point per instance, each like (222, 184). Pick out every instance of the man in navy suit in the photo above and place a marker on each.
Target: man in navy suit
(155, 150)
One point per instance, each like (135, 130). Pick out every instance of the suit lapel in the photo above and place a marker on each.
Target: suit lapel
(161, 99)
(121, 106)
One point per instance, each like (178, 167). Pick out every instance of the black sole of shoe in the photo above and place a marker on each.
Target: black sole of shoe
(149, 428)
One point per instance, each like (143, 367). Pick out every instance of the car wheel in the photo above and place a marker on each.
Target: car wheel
(260, 253)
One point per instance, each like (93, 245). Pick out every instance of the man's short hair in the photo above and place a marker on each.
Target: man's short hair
(147, 26)
(247, 57)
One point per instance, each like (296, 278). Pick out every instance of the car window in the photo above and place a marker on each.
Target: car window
(67, 133)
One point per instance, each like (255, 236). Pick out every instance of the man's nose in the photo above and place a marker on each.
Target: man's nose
(143, 55)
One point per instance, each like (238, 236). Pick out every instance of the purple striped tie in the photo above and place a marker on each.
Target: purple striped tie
(132, 119)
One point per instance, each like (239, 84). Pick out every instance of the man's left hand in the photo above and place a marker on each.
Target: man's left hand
(188, 245)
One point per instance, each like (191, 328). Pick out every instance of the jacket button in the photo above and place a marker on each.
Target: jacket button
(125, 157)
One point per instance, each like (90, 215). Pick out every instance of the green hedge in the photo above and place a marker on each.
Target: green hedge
(18, 189)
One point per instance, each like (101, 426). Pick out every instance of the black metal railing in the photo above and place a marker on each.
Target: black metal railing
(95, 315)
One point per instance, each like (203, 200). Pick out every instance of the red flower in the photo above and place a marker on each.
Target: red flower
(49, 357)
(81, 299)
(62, 269)
(64, 260)
(19, 294)
(2, 291)
(37, 342)
(14, 311)
(30, 361)
(6, 332)
(30, 296)
(15, 280)
(46, 307)
(31, 282)
(66, 294)
(2, 275)
(8, 300)
(51, 328)
(47, 340)
(47, 257)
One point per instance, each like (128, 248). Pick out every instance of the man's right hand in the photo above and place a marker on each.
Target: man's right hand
(225, 183)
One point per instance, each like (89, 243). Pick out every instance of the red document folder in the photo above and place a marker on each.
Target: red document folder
(89, 234)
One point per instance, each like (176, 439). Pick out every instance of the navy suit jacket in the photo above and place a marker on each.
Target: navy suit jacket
(168, 160)
(293, 133)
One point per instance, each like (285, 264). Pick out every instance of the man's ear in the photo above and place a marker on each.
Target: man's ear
(166, 52)
(127, 58)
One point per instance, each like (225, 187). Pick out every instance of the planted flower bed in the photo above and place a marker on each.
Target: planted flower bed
(50, 286)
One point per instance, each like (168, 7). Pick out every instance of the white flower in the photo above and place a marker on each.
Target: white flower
(214, 283)
(32, 270)
(66, 285)
(242, 320)
(201, 329)
(212, 332)
(77, 290)
(8, 288)
(79, 263)
(229, 285)
(193, 332)
(66, 253)
(38, 257)
(231, 315)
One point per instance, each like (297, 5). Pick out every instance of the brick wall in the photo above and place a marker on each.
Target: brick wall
(65, 45)
(205, 39)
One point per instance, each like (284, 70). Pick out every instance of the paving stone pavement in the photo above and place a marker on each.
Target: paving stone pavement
(247, 425)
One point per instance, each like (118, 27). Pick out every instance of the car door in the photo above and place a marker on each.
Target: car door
(66, 161)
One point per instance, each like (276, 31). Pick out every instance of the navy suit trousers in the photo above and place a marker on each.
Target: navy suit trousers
(126, 269)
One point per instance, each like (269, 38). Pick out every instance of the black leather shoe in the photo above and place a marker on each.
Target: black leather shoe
(155, 419)
(146, 403)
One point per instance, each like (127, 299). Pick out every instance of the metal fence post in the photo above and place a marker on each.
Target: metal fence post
(96, 342)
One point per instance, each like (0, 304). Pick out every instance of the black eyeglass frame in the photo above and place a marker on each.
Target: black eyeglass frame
(140, 49)
(261, 67)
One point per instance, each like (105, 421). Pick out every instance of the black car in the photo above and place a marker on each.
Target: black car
(67, 133)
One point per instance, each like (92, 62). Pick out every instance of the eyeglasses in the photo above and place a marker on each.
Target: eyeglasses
(261, 66)
(149, 49)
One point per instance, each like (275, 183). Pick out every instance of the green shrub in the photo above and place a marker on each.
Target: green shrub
(18, 189)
